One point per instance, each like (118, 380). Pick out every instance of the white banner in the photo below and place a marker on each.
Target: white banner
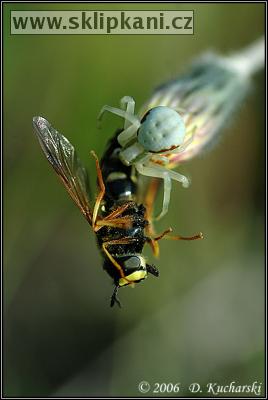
(102, 22)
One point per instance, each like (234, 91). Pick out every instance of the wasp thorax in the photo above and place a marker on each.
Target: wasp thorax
(161, 129)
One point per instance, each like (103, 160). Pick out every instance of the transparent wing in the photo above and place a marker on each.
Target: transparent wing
(62, 156)
(206, 96)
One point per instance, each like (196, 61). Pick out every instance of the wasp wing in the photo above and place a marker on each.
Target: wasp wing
(206, 97)
(63, 157)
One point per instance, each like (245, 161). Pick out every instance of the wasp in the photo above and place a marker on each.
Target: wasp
(122, 225)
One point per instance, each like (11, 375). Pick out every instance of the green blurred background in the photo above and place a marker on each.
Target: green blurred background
(202, 320)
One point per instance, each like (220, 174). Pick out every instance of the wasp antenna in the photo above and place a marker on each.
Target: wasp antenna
(151, 268)
(114, 298)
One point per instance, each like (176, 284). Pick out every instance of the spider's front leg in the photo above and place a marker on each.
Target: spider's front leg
(117, 111)
(131, 121)
(127, 103)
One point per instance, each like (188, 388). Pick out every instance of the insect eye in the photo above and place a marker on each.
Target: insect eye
(132, 263)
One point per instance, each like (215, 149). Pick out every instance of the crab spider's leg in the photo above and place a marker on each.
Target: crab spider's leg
(179, 178)
(161, 172)
(133, 154)
(158, 173)
(127, 103)
(129, 131)
(121, 113)
(166, 198)
(128, 134)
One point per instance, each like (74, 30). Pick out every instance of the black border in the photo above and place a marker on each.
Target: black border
(265, 183)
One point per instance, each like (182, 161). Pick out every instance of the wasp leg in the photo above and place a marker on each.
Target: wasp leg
(119, 211)
(153, 241)
(154, 246)
(166, 232)
(102, 190)
(195, 237)
(114, 298)
(113, 218)
(166, 235)
(149, 204)
(125, 240)
(99, 200)
(121, 223)
(113, 214)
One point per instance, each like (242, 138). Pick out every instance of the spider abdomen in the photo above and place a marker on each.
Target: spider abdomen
(162, 128)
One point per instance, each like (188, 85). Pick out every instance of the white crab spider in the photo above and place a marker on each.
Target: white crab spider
(145, 142)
